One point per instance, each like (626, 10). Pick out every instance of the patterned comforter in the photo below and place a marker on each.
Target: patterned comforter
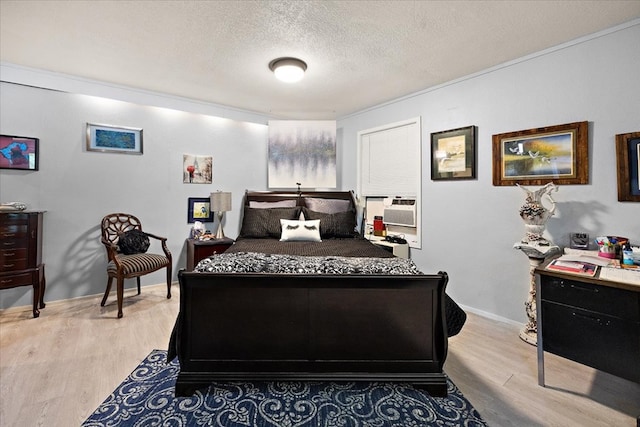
(256, 262)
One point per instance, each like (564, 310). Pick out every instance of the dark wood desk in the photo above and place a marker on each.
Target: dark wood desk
(198, 250)
(590, 321)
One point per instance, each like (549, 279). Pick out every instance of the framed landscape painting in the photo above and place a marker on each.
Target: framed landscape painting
(628, 162)
(558, 154)
(453, 154)
(19, 152)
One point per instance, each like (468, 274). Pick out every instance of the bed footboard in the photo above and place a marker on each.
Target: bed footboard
(237, 327)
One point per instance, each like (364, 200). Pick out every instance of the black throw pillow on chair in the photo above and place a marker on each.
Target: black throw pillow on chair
(133, 242)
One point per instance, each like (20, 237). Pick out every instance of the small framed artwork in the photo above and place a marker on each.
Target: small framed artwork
(114, 139)
(197, 169)
(453, 154)
(628, 162)
(19, 152)
(199, 209)
(558, 154)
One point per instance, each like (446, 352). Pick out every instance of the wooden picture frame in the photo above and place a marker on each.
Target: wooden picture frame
(199, 209)
(628, 162)
(558, 154)
(114, 139)
(19, 152)
(453, 154)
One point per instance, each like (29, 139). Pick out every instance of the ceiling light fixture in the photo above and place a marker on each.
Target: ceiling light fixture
(289, 70)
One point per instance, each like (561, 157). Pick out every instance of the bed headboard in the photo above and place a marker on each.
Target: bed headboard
(276, 196)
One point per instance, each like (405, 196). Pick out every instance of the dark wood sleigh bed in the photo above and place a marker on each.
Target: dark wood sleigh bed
(239, 324)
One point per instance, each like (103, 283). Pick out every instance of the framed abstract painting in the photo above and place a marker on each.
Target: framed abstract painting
(19, 152)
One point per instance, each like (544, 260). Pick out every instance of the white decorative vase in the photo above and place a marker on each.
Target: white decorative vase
(535, 215)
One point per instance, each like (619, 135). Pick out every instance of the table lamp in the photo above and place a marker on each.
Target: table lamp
(220, 203)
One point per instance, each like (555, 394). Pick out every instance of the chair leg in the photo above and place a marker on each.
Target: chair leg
(138, 280)
(168, 281)
(106, 293)
(120, 292)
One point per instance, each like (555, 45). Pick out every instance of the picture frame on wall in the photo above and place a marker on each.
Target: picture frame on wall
(628, 165)
(114, 139)
(197, 169)
(199, 209)
(19, 152)
(453, 154)
(558, 154)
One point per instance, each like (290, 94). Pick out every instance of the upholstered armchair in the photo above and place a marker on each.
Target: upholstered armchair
(125, 266)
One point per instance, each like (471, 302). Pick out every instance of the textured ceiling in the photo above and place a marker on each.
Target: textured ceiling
(359, 53)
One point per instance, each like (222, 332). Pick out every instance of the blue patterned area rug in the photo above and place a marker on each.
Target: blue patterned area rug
(146, 398)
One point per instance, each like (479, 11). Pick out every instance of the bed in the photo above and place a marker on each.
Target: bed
(310, 300)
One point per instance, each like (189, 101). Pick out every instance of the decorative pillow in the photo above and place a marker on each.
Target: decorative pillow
(260, 223)
(303, 231)
(341, 224)
(133, 242)
(270, 205)
(327, 205)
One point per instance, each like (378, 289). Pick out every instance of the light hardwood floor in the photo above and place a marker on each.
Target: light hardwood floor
(56, 370)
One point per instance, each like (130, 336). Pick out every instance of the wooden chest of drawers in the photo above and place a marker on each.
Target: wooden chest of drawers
(21, 254)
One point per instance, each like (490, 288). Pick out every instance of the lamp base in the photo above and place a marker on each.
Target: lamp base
(219, 232)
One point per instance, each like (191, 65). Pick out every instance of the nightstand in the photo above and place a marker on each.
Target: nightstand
(198, 250)
(401, 250)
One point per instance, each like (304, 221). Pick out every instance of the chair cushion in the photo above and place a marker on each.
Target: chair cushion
(137, 263)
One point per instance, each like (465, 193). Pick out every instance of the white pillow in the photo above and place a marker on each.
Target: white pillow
(300, 231)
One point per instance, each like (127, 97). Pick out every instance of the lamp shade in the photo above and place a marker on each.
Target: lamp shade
(221, 201)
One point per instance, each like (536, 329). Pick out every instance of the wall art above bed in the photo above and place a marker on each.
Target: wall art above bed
(302, 152)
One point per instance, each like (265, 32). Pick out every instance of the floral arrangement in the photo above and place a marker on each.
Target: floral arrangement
(532, 210)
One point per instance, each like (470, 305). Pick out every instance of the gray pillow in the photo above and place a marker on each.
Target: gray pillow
(327, 205)
(261, 223)
(270, 205)
(340, 224)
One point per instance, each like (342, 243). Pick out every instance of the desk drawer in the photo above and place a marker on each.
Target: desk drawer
(603, 342)
(601, 299)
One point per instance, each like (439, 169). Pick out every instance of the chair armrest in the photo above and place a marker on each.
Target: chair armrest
(163, 240)
(155, 237)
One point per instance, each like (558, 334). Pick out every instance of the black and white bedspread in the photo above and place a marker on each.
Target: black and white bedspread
(256, 262)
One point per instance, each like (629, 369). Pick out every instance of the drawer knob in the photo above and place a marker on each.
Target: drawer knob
(593, 319)
(580, 288)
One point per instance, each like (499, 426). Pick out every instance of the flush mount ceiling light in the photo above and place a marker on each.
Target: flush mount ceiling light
(289, 70)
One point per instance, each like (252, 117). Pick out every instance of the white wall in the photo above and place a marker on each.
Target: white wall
(77, 188)
(469, 227)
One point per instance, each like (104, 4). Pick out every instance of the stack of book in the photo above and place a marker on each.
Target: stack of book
(574, 267)
(587, 263)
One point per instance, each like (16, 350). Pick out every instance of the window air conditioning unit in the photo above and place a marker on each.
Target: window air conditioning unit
(400, 212)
